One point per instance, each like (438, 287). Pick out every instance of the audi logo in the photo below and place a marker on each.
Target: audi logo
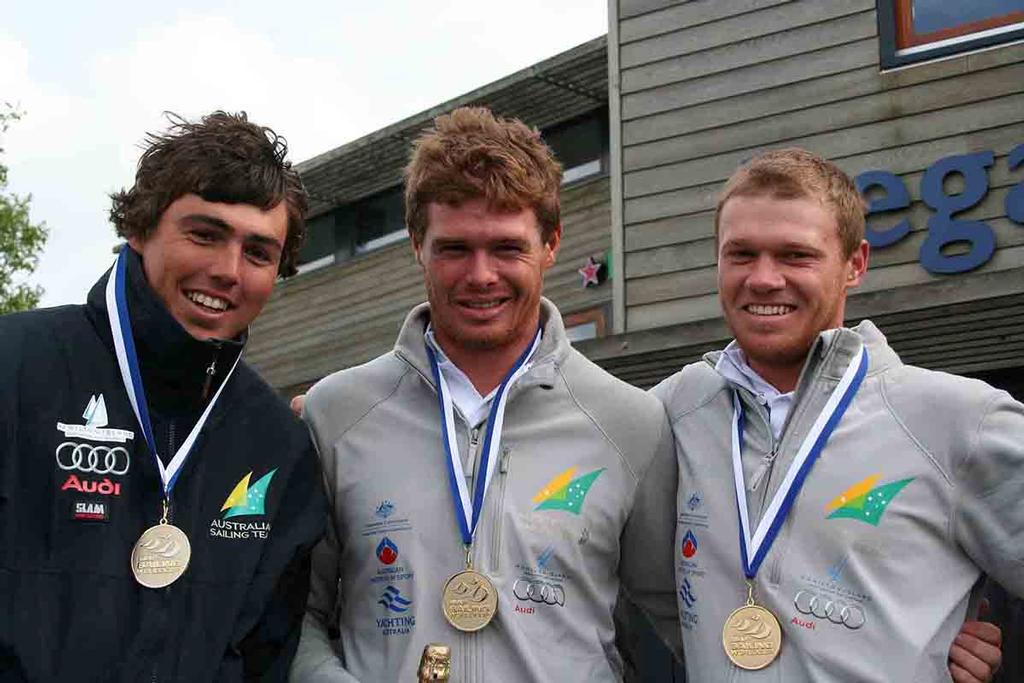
(539, 591)
(836, 611)
(96, 459)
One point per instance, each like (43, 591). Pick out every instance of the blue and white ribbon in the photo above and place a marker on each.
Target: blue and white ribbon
(753, 549)
(467, 512)
(131, 376)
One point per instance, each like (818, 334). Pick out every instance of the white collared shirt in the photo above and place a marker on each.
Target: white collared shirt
(733, 365)
(466, 398)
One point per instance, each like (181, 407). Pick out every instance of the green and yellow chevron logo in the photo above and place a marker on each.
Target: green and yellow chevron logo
(865, 501)
(565, 493)
(248, 500)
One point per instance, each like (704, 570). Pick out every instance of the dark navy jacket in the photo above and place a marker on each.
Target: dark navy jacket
(76, 493)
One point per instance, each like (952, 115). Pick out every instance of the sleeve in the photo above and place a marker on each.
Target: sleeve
(988, 514)
(647, 557)
(317, 660)
(268, 632)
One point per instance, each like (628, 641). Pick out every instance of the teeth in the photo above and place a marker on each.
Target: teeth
(481, 304)
(208, 301)
(761, 309)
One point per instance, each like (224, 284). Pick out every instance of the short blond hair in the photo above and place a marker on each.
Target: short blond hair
(794, 173)
(471, 154)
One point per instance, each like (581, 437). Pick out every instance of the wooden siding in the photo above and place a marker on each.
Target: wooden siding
(346, 314)
(707, 84)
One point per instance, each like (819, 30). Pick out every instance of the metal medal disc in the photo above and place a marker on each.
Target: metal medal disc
(160, 556)
(752, 637)
(469, 601)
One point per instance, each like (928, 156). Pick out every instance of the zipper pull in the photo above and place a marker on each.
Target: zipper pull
(762, 468)
(208, 382)
(503, 466)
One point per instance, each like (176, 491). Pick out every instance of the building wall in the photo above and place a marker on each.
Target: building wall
(346, 314)
(706, 84)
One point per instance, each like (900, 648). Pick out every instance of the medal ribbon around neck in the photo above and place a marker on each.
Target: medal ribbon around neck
(131, 376)
(754, 549)
(468, 512)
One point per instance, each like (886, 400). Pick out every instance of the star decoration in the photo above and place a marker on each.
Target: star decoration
(591, 272)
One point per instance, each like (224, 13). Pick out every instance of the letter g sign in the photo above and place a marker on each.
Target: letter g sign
(943, 229)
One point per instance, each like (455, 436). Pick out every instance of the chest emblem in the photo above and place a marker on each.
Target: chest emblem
(864, 500)
(566, 492)
(248, 500)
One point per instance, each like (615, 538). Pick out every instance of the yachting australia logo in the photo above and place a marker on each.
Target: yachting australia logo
(864, 501)
(95, 427)
(391, 599)
(394, 602)
(566, 492)
(245, 500)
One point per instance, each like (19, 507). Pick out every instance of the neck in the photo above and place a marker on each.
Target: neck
(782, 377)
(485, 367)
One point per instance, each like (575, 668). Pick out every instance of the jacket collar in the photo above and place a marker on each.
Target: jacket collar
(173, 362)
(553, 349)
(833, 350)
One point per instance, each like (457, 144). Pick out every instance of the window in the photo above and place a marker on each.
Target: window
(584, 325)
(581, 145)
(364, 225)
(915, 30)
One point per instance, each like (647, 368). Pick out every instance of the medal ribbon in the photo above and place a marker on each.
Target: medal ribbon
(468, 512)
(131, 376)
(754, 549)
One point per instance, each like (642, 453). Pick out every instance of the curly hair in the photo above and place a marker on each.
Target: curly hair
(222, 158)
(794, 173)
(471, 154)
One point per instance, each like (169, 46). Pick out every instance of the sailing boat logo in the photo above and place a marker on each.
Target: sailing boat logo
(95, 427)
(96, 413)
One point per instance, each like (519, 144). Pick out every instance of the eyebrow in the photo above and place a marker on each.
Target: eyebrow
(214, 222)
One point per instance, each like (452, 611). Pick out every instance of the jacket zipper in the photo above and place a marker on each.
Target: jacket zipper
(210, 372)
(496, 526)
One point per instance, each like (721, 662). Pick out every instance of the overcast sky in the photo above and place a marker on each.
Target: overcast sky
(93, 77)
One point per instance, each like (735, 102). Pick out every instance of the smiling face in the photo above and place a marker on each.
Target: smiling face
(782, 279)
(483, 272)
(213, 265)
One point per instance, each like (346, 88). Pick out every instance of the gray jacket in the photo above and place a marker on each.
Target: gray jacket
(394, 539)
(866, 590)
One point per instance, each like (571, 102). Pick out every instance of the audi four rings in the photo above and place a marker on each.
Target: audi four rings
(87, 458)
(836, 611)
(539, 591)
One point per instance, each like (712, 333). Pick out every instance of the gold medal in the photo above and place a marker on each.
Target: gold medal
(752, 637)
(469, 601)
(160, 556)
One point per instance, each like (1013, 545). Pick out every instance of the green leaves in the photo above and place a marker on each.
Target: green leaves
(21, 240)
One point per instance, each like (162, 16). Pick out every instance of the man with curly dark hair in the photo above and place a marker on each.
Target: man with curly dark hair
(158, 501)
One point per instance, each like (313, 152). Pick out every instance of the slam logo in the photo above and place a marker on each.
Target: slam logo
(387, 551)
(248, 500)
(565, 492)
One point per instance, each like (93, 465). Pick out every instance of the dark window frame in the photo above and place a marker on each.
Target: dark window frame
(895, 33)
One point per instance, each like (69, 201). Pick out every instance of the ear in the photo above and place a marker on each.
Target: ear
(551, 246)
(857, 264)
(417, 250)
(135, 242)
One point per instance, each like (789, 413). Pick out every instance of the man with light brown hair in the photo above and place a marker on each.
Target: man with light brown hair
(836, 507)
(491, 489)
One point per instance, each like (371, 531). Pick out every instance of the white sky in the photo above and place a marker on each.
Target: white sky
(93, 77)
